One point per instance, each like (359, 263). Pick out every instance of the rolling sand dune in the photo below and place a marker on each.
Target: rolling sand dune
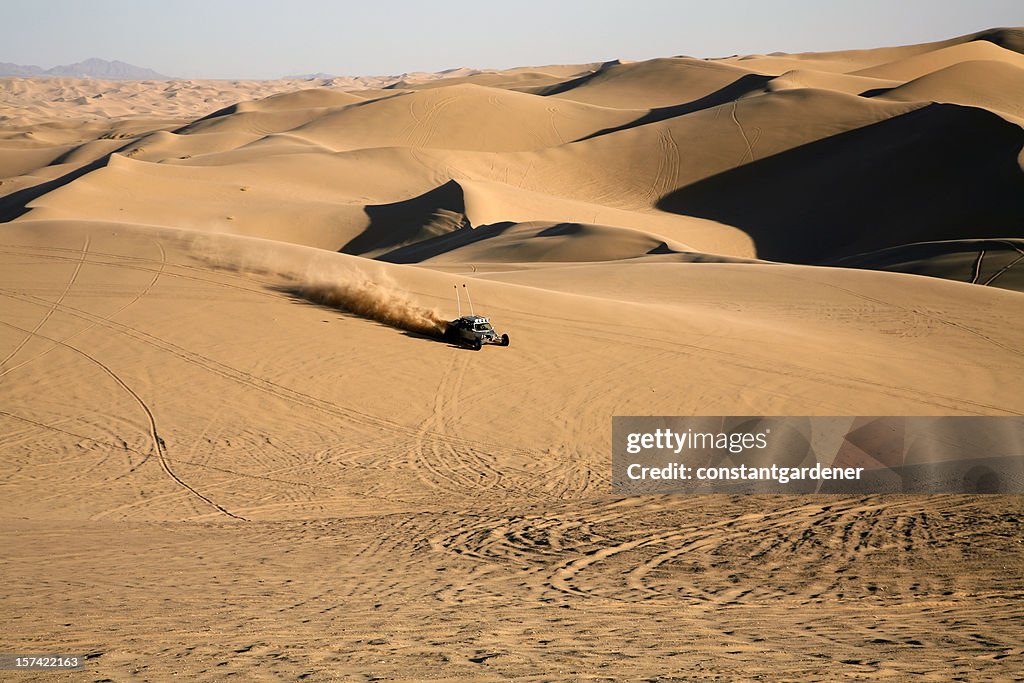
(533, 242)
(461, 117)
(235, 442)
(929, 62)
(846, 83)
(893, 178)
(616, 168)
(847, 61)
(522, 78)
(975, 261)
(985, 83)
(32, 100)
(654, 83)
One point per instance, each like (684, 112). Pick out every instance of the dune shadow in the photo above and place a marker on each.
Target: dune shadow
(989, 262)
(16, 203)
(874, 92)
(941, 172)
(1009, 38)
(224, 111)
(576, 81)
(435, 212)
(441, 244)
(437, 340)
(561, 229)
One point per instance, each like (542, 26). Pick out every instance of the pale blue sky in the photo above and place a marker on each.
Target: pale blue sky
(273, 38)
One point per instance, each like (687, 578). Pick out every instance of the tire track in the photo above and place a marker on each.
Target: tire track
(364, 420)
(145, 290)
(206, 281)
(449, 468)
(668, 165)
(735, 359)
(109, 440)
(552, 114)
(746, 141)
(976, 269)
(798, 540)
(28, 250)
(1004, 269)
(264, 476)
(42, 321)
(568, 556)
(425, 127)
(935, 318)
(158, 444)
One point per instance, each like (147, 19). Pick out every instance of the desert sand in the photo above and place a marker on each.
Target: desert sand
(234, 445)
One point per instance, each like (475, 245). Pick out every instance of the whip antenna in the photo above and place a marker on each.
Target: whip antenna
(470, 299)
(458, 300)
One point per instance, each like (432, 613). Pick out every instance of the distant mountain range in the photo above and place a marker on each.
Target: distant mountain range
(90, 68)
(310, 77)
(102, 69)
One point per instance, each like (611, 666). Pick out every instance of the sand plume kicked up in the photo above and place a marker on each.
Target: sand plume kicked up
(374, 296)
(379, 300)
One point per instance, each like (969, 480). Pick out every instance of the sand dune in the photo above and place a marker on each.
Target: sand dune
(633, 168)
(491, 202)
(237, 444)
(525, 79)
(313, 207)
(847, 61)
(986, 262)
(988, 84)
(920, 65)
(33, 100)
(309, 98)
(845, 83)
(653, 83)
(893, 176)
(461, 117)
(532, 242)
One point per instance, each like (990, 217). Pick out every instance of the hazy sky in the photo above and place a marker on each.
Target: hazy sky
(273, 38)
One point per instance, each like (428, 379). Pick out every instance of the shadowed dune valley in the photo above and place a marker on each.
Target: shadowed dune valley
(242, 440)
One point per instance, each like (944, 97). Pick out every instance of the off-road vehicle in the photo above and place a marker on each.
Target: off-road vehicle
(472, 330)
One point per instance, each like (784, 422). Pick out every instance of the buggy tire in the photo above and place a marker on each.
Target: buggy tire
(504, 340)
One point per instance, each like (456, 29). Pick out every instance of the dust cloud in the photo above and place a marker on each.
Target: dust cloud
(376, 299)
(321, 281)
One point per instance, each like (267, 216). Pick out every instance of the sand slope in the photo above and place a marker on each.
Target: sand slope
(540, 241)
(653, 83)
(461, 117)
(982, 83)
(893, 177)
(235, 445)
(481, 490)
(641, 146)
(923, 64)
(847, 61)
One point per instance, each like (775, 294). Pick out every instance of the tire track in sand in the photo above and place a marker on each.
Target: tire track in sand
(42, 321)
(442, 466)
(158, 444)
(145, 290)
(749, 156)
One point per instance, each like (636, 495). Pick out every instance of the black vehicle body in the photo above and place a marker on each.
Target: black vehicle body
(473, 331)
